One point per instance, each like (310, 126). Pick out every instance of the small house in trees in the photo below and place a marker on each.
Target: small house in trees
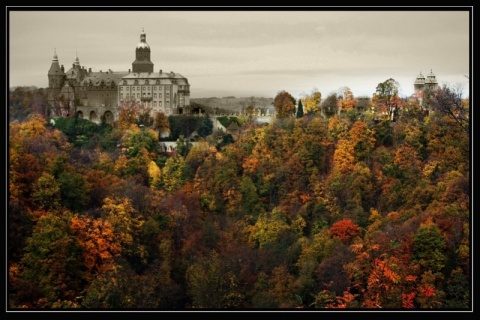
(233, 129)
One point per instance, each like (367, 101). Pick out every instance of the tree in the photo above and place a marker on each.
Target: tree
(128, 113)
(206, 128)
(284, 106)
(345, 230)
(346, 99)
(387, 99)
(46, 192)
(161, 122)
(448, 101)
(330, 104)
(183, 146)
(429, 247)
(312, 101)
(52, 262)
(300, 109)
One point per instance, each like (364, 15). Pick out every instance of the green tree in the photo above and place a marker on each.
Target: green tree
(210, 285)
(46, 192)
(183, 146)
(429, 247)
(300, 109)
(134, 140)
(53, 262)
(206, 128)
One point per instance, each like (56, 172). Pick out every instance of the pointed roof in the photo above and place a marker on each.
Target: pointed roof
(55, 69)
(233, 126)
(77, 62)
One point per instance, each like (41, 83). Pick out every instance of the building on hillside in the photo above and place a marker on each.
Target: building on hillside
(97, 95)
(424, 86)
(234, 130)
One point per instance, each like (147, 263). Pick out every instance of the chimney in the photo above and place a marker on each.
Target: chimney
(89, 70)
(63, 69)
(129, 71)
(160, 71)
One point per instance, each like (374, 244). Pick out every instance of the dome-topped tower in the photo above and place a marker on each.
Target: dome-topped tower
(142, 61)
(55, 74)
(419, 83)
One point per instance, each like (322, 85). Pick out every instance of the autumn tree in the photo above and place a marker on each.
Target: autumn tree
(161, 123)
(312, 101)
(346, 100)
(100, 244)
(345, 230)
(128, 114)
(387, 100)
(284, 105)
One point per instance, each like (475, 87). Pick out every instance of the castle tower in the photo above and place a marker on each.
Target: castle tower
(77, 61)
(142, 61)
(431, 81)
(419, 84)
(56, 75)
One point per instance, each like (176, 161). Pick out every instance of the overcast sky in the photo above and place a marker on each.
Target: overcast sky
(250, 53)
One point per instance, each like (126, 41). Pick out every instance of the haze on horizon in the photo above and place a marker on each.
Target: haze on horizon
(250, 53)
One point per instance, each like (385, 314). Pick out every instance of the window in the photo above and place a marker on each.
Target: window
(138, 88)
(138, 95)
(154, 95)
(155, 88)
(121, 88)
(154, 103)
(133, 88)
(160, 95)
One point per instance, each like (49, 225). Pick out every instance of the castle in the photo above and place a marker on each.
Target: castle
(424, 86)
(97, 95)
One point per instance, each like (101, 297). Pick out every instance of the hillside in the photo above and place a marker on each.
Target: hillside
(232, 104)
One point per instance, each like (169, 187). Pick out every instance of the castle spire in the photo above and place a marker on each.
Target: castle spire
(55, 57)
(77, 62)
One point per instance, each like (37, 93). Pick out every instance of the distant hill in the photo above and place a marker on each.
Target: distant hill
(231, 104)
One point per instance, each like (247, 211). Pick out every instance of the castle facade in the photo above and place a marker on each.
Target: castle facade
(97, 95)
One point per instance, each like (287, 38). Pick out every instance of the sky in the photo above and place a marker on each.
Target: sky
(249, 51)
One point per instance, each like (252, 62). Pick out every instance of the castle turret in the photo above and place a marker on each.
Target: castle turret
(419, 84)
(142, 61)
(56, 75)
(77, 61)
(431, 81)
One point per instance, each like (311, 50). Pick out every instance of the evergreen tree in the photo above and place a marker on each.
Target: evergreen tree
(300, 109)
(206, 127)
